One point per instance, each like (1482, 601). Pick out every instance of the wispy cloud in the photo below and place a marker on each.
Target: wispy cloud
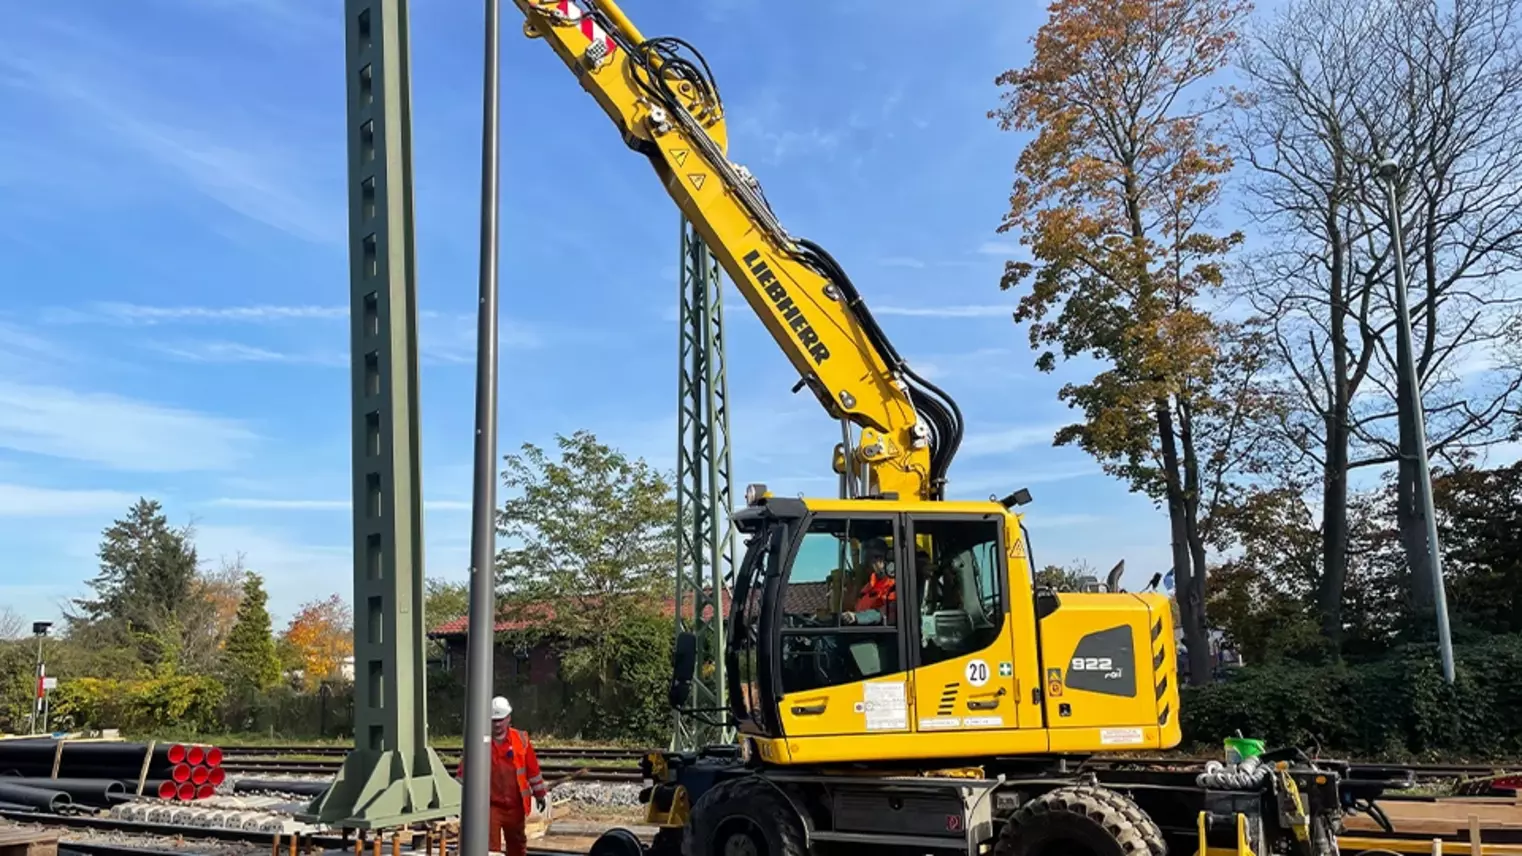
(280, 21)
(446, 337)
(767, 130)
(24, 353)
(234, 352)
(139, 314)
(999, 248)
(986, 482)
(985, 366)
(83, 77)
(117, 432)
(17, 500)
(1053, 521)
(450, 337)
(295, 571)
(901, 262)
(1004, 441)
(963, 311)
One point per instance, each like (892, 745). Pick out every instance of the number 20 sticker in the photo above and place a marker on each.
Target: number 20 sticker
(977, 673)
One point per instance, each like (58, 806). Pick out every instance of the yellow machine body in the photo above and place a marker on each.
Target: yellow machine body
(1040, 672)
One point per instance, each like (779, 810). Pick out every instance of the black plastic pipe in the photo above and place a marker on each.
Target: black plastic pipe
(95, 792)
(43, 751)
(10, 806)
(87, 768)
(46, 799)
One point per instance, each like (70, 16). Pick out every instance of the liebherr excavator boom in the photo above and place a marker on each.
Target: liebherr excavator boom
(667, 107)
(898, 681)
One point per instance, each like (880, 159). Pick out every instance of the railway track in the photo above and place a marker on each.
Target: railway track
(1421, 772)
(266, 841)
(590, 753)
(276, 767)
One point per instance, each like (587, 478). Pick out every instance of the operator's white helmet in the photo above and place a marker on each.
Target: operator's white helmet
(500, 708)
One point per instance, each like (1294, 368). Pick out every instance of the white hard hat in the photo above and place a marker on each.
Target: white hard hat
(500, 708)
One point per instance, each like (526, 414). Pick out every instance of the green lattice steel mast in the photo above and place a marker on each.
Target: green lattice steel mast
(705, 536)
(392, 776)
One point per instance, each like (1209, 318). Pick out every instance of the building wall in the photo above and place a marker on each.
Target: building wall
(530, 679)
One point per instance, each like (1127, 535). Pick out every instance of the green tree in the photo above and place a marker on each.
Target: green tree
(1065, 578)
(1113, 197)
(444, 600)
(1480, 515)
(592, 544)
(147, 575)
(249, 657)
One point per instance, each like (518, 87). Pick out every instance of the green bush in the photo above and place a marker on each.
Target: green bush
(192, 702)
(1395, 708)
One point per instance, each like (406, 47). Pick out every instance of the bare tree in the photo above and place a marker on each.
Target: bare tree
(11, 623)
(1334, 87)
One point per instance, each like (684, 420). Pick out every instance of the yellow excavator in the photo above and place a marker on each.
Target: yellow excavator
(897, 681)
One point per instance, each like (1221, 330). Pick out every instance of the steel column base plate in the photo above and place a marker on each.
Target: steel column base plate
(373, 790)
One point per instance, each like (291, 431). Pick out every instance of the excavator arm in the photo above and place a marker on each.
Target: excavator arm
(667, 107)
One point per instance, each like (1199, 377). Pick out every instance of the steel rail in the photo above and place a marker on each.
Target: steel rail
(265, 840)
(234, 752)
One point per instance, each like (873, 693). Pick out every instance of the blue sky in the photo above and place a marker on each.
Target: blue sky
(173, 276)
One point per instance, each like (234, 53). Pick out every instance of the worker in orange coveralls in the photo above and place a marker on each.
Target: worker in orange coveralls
(515, 776)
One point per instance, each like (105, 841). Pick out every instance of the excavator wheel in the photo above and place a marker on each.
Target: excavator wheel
(1151, 832)
(1076, 820)
(744, 817)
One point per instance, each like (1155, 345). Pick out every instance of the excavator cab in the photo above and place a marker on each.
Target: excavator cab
(880, 629)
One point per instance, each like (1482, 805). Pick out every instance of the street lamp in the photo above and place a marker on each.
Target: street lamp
(39, 630)
(1388, 170)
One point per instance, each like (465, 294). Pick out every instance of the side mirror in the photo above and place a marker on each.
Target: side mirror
(684, 662)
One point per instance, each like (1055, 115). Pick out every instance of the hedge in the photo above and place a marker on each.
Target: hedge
(1396, 708)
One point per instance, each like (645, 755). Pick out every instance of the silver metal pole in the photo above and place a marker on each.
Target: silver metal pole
(476, 802)
(1388, 170)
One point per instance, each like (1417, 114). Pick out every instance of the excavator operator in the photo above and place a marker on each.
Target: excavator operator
(877, 598)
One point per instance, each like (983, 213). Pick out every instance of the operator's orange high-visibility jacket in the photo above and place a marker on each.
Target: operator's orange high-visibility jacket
(880, 594)
(515, 773)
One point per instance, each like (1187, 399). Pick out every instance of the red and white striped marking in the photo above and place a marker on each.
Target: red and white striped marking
(602, 45)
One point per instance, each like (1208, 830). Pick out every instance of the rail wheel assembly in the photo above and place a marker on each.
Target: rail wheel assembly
(617, 842)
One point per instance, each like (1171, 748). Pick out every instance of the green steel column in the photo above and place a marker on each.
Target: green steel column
(705, 535)
(392, 776)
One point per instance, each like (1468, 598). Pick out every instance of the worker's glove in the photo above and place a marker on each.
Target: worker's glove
(539, 804)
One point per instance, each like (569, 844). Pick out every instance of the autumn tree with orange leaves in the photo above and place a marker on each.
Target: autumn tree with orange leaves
(317, 640)
(1113, 199)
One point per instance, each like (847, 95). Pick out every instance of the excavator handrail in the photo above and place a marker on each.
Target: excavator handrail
(667, 107)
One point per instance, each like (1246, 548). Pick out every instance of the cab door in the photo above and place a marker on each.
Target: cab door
(963, 644)
(841, 669)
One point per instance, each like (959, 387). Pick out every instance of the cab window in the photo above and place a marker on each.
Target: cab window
(840, 607)
(960, 586)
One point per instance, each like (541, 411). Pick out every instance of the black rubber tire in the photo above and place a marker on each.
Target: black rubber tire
(748, 806)
(1151, 832)
(617, 842)
(1072, 820)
